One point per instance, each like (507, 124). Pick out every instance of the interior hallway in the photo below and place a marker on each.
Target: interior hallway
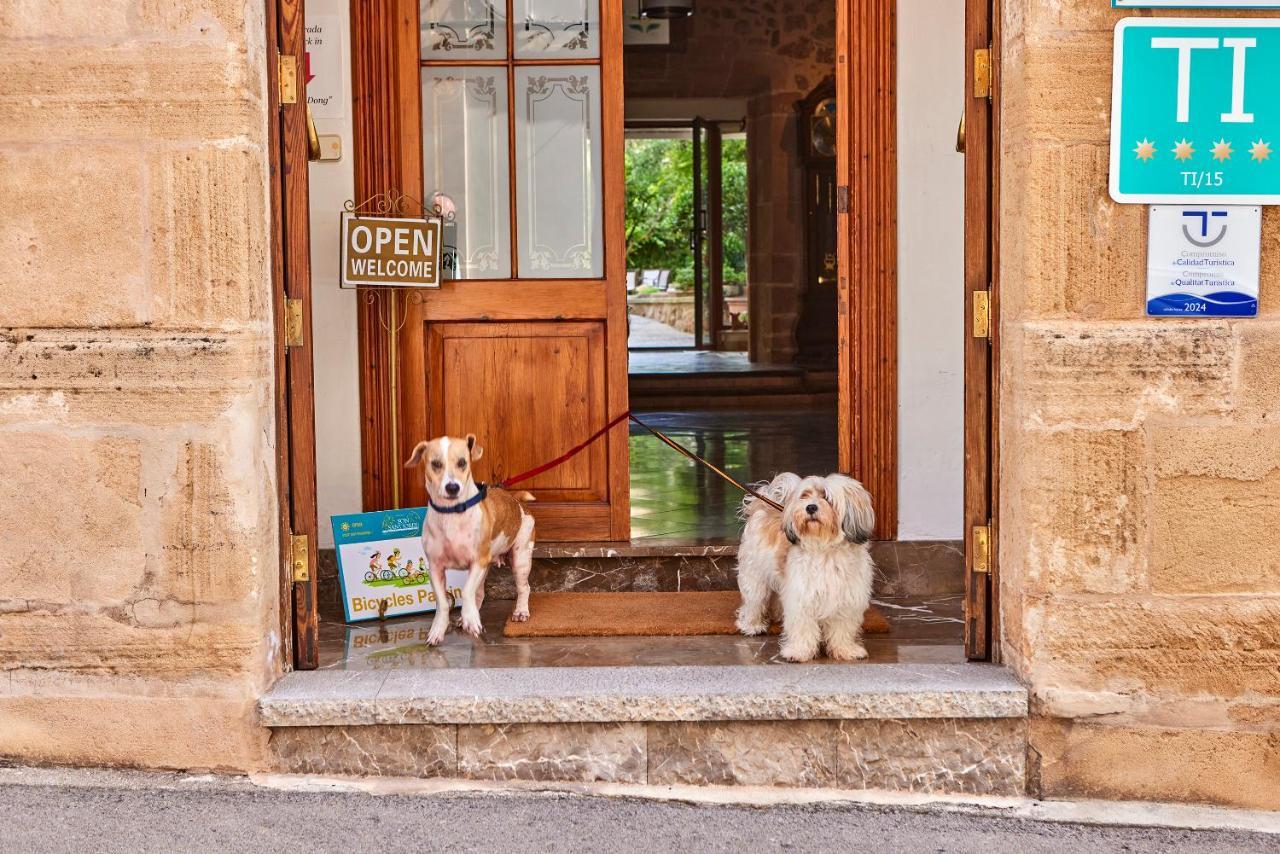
(674, 499)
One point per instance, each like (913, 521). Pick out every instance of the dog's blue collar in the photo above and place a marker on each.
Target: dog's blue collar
(464, 506)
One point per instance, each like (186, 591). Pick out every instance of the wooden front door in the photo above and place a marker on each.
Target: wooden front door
(504, 118)
(980, 164)
(291, 277)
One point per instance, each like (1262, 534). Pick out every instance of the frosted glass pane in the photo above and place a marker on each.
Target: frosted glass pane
(463, 29)
(558, 198)
(465, 168)
(550, 29)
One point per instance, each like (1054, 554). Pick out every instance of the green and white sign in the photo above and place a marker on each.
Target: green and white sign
(1195, 111)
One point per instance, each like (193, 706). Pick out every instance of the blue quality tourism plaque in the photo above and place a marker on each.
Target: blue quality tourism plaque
(1203, 260)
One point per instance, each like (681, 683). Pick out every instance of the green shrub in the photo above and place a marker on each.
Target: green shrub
(659, 211)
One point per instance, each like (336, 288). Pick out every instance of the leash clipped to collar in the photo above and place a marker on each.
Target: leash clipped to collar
(507, 483)
(464, 506)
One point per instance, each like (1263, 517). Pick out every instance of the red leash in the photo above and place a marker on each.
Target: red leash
(572, 452)
(673, 444)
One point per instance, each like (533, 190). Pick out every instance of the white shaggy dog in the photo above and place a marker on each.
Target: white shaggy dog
(812, 561)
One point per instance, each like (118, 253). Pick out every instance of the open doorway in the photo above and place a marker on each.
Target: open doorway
(770, 348)
(731, 256)
(686, 232)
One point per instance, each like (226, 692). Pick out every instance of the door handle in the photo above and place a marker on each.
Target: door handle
(960, 134)
(313, 138)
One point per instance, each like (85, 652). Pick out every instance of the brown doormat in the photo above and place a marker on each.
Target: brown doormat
(601, 615)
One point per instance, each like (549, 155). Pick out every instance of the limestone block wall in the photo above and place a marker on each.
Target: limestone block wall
(138, 604)
(773, 53)
(1140, 463)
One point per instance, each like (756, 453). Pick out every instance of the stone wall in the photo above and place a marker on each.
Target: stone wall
(773, 53)
(1139, 463)
(678, 312)
(138, 582)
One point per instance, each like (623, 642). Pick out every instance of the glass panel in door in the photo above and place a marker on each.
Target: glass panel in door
(557, 29)
(465, 168)
(559, 217)
(463, 29)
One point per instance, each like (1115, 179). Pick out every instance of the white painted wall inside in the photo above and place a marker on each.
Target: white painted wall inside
(333, 312)
(930, 270)
(930, 284)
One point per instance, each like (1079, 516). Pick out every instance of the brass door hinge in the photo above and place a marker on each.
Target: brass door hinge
(981, 544)
(842, 199)
(288, 75)
(982, 314)
(293, 335)
(982, 73)
(299, 559)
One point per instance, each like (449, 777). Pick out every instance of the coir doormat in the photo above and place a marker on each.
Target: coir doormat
(601, 615)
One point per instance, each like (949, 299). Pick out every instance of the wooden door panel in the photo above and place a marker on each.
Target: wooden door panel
(530, 392)
(979, 275)
(291, 274)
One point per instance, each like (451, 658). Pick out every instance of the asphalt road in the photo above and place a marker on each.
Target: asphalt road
(237, 816)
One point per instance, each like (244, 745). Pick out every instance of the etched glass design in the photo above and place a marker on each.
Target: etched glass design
(557, 29)
(465, 167)
(558, 188)
(463, 29)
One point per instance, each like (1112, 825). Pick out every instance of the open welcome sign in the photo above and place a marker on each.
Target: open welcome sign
(390, 252)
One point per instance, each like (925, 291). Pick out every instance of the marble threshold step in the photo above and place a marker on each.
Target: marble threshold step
(904, 568)
(914, 727)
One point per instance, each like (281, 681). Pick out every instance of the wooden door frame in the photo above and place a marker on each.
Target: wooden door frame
(867, 222)
(866, 101)
(287, 143)
(981, 357)
(697, 233)
(866, 249)
(714, 242)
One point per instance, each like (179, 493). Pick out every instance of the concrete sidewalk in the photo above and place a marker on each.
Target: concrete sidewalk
(77, 811)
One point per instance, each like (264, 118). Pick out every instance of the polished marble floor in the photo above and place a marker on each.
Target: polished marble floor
(643, 363)
(923, 629)
(674, 499)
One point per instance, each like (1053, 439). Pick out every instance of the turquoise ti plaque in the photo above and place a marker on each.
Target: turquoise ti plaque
(1195, 111)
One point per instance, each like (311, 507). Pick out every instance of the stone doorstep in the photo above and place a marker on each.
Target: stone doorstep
(672, 693)
(920, 728)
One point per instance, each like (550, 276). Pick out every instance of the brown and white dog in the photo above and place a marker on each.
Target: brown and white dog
(470, 526)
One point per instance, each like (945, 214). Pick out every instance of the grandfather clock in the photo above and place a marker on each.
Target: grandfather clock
(816, 330)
